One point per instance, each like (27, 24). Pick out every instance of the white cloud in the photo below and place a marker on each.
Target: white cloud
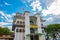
(29, 0)
(10, 21)
(10, 27)
(2, 13)
(54, 9)
(4, 23)
(57, 16)
(48, 2)
(13, 14)
(55, 19)
(2, 17)
(50, 19)
(7, 4)
(8, 17)
(45, 12)
(34, 12)
(36, 5)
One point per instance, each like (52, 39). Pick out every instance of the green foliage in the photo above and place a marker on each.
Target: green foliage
(53, 27)
(5, 31)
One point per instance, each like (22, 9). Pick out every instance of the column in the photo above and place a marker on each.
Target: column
(39, 25)
(27, 25)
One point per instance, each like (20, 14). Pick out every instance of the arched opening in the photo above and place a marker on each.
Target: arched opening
(34, 37)
(20, 30)
(16, 30)
(18, 22)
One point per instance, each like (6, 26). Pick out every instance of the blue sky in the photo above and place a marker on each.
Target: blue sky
(48, 9)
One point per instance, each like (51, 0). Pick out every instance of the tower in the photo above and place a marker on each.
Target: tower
(27, 27)
(39, 24)
(18, 26)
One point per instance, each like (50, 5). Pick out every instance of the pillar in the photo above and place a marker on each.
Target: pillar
(27, 26)
(39, 25)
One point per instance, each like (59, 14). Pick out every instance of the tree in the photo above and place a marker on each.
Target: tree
(52, 29)
(4, 31)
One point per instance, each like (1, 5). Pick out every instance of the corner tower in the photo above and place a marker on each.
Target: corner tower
(18, 26)
(27, 25)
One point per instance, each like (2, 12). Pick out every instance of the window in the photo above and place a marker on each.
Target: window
(17, 21)
(16, 30)
(20, 22)
(42, 25)
(32, 30)
(20, 30)
(23, 23)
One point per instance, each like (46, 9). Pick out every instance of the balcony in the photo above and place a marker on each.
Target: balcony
(34, 26)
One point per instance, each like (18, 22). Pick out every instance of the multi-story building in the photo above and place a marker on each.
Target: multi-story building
(28, 27)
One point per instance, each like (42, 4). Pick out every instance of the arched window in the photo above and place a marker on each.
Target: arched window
(23, 23)
(18, 22)
(17, 30)
(20, 30)
(42, 25)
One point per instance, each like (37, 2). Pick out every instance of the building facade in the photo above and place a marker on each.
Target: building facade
(28, 27)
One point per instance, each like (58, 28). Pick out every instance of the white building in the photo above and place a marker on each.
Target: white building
(28, 27)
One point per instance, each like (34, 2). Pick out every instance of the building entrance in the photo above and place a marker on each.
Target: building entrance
(34, 37)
